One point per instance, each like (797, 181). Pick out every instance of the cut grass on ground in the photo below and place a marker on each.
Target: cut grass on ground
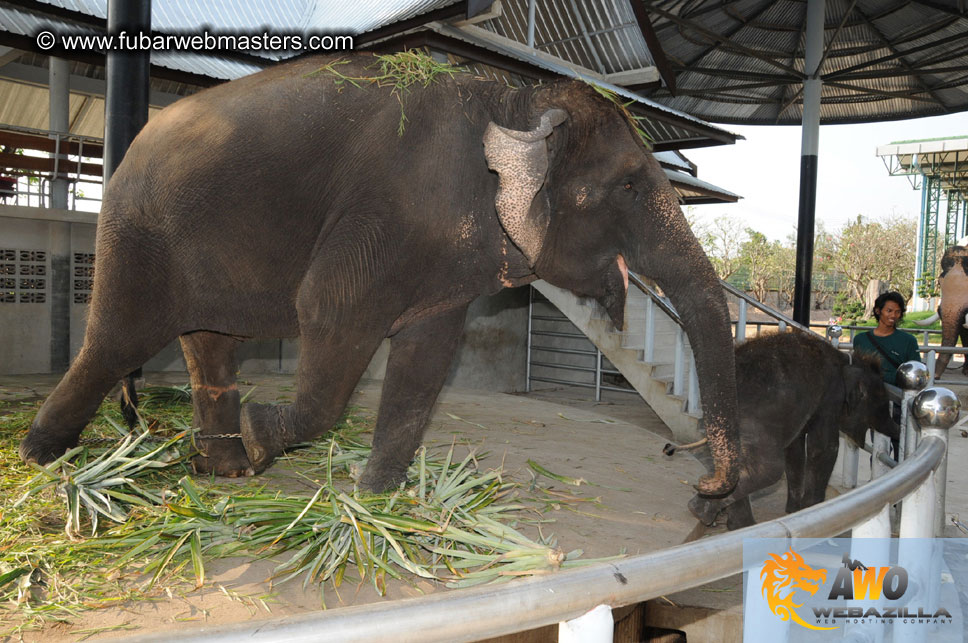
(124, 521)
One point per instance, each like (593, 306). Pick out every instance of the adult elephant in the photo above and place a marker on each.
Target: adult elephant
(289, 203)
(953, 310)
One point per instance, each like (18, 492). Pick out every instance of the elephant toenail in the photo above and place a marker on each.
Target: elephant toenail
(249, 472)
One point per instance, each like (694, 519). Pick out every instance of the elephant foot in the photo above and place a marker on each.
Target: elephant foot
(705, 510)
(379, 477)
(222, 457)
(264, 433)
(42, 447)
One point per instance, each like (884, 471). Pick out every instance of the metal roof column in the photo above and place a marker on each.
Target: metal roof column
(59, 75)
(810, 143)
(59, 281)
(126, 99)
(127, 75)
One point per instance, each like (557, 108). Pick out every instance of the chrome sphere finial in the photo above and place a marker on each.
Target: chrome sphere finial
(834, 331)
(936, 408)
(912, 376)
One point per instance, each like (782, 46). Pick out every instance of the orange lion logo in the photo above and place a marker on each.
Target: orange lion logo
(790, 572)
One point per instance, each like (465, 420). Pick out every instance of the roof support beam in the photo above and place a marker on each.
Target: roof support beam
(588, 40)
(37, 76)
(655, 47)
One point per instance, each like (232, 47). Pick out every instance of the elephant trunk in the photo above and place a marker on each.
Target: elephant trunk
(680, 267)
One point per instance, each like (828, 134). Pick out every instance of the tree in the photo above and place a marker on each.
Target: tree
(826, 279)
(763, 261)
(723, 241)
(884, 249)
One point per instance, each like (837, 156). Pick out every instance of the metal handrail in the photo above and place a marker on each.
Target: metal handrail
(772, 312)
(661, 301)
(489, 611)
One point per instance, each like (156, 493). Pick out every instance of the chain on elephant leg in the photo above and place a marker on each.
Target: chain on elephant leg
(266, 432)
(222, 454)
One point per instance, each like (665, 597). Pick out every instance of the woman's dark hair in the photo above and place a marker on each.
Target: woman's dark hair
(894, 296)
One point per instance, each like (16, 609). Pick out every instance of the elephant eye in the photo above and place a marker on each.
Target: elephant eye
(628, 186)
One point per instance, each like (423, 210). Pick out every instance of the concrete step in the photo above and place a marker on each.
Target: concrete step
(624, 351)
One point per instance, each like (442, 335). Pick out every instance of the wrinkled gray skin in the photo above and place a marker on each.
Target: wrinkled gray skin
(284, 204)
(954, 304)
(798, 391)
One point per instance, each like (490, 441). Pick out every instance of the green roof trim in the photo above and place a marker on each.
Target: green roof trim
(929, 140)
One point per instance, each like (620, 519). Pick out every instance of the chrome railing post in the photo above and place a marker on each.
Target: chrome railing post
(936, 410)
(932, 358)
(833, 334)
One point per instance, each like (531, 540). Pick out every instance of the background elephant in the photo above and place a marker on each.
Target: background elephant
(290, 203)
(798, 392)
(954, 305)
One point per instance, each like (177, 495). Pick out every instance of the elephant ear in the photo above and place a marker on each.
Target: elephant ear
(853, 391)
(521, 162)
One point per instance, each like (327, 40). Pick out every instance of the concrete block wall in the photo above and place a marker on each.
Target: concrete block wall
(492, 355)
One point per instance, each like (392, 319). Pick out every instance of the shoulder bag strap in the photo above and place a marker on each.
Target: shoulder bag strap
(881, 350)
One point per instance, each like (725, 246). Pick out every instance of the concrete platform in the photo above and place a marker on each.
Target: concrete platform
(634, 502)
(615, 445)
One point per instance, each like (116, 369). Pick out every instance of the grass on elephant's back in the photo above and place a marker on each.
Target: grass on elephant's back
(453, 523)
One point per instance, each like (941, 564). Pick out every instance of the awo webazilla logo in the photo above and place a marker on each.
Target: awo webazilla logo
(787, 576)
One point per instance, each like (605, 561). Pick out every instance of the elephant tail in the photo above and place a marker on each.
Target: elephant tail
(129, 400)
(930, 320)
(670, 448)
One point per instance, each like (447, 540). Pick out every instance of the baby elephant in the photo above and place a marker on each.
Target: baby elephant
(796, 392)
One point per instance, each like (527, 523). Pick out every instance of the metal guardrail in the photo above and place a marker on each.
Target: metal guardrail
(32, 188)
(782, 321)
(489, 611)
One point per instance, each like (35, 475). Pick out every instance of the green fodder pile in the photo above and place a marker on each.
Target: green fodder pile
(122, 518)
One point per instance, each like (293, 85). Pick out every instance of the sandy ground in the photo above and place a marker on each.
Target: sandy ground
(642, 507)
(615, 445)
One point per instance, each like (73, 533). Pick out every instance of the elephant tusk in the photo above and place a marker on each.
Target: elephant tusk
(930, 320)
(670, 448)
(966, 321)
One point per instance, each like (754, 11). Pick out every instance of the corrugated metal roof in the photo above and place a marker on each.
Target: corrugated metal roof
(695, 191)
(673, 160)
(604, 28)
(657, 129)
(742, 61)
(231, 16)
(600, 35)
(242, 16)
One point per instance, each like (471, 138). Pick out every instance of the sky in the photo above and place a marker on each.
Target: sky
(765, 170)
